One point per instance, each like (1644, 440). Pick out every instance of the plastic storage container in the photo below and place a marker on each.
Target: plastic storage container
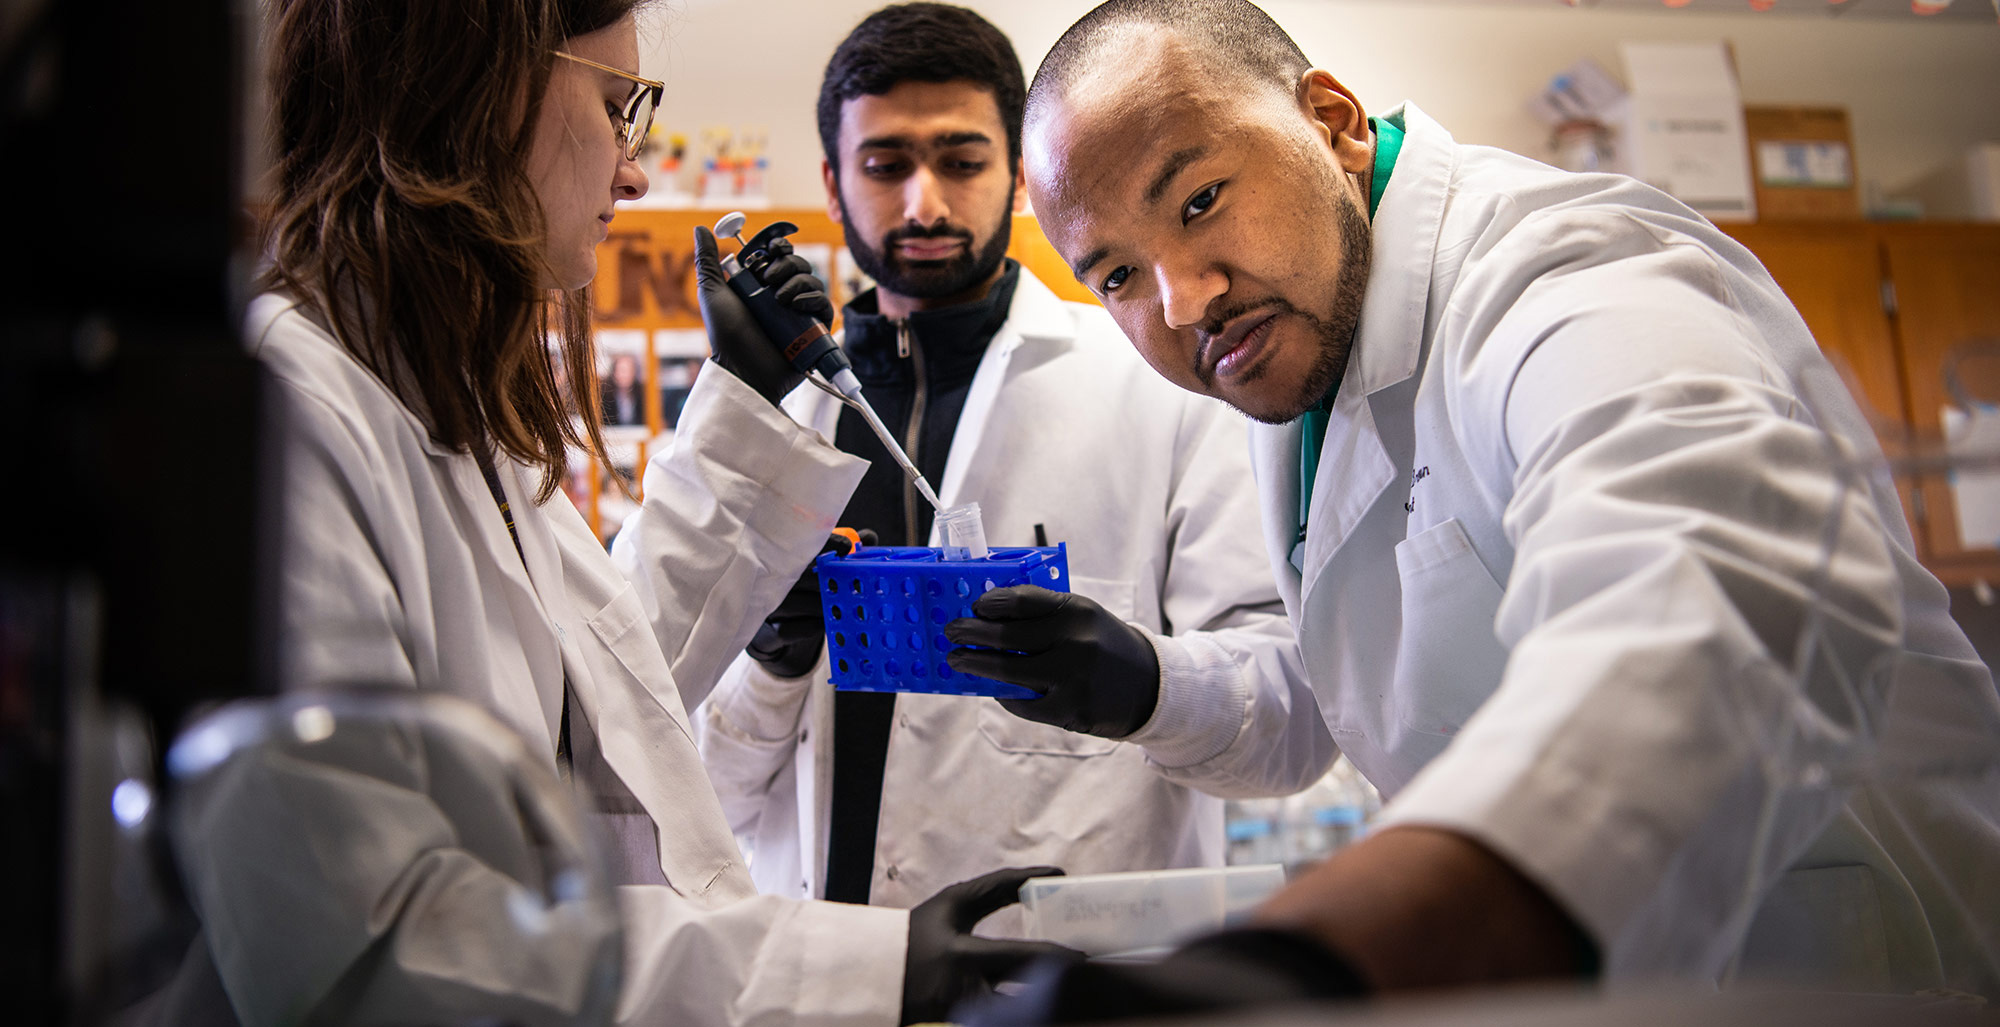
(886, 608)
(1135, 914)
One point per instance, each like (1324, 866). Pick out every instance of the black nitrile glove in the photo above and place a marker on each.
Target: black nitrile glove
(1233, 969)
(739, 345)
(789, 641)
(1097, 674)
(947, 964)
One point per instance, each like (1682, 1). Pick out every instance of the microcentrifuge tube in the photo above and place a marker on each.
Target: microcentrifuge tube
(964, 533)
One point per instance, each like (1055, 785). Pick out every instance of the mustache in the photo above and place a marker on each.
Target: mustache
(1214, 326)
(1217, 323)
(940, 230)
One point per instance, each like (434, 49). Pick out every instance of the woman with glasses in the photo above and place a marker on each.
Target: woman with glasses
(445, 172)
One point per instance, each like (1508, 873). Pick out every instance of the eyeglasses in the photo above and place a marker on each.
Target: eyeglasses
(636, 116)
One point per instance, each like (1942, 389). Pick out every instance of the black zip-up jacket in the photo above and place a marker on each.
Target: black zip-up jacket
(926, 391)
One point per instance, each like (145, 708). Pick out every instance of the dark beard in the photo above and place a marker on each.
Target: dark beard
(1335, 332)
(928, 279)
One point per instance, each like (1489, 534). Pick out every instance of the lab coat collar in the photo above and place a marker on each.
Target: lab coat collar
(953, 338)
(1037, 315)
(409, 399)
(1037, 322)
(1388, 347)
(1389, 343)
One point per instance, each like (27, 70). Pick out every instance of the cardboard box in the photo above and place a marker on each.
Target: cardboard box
(1803, 163)
(1683, 127)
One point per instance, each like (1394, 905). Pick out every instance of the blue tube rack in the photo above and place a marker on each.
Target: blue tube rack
(886, 608)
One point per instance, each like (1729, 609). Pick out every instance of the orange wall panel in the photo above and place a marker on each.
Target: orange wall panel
(645, 268)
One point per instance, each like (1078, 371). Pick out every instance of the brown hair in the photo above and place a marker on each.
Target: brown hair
(404, 215)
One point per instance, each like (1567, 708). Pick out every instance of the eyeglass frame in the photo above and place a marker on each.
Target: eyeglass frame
(635, 133)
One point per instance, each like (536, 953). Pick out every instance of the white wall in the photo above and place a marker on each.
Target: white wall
(1918, 91)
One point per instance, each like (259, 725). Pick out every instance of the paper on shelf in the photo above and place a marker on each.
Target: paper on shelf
(1684, 126)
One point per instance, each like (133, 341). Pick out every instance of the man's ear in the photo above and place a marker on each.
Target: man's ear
(1341, 122)
(1020, 187)
(832, 190)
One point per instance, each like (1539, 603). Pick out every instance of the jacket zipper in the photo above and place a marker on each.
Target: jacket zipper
(918, 397)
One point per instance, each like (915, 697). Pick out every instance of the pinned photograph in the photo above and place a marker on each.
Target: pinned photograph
(615, 503)
(681, 353)
(621, 375)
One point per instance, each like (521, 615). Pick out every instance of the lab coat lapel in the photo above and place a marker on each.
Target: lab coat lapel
(645, 738)
(538, 553)
(1354, 466)
(1406, 228)
(1353, 471)
(625, 690)
(1036, 318)
(814, 778)
(1274, 462)
(531, 626)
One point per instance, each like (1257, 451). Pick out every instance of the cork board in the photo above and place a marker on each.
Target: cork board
(1802, 164)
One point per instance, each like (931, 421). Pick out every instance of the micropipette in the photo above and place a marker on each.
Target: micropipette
(807, 343)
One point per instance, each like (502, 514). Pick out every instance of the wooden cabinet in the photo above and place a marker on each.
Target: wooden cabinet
(1893, 304)
(1947, 300)
(1837, 279)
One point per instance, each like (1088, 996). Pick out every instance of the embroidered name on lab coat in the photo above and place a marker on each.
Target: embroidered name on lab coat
(1410, 504)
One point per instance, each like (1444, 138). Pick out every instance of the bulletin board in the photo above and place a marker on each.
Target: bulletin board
(650, 342)
(1803, 162)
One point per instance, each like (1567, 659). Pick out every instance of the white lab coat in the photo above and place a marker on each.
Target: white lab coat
(1572, 493)
(1066, 427)
(398, 570)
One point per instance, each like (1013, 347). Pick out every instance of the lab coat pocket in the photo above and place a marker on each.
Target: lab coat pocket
(619, 616)
(1448, 658)
(1009, 733)
(630, 655)
(1113, 594)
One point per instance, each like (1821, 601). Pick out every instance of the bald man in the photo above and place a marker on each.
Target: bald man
(1548, 465)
